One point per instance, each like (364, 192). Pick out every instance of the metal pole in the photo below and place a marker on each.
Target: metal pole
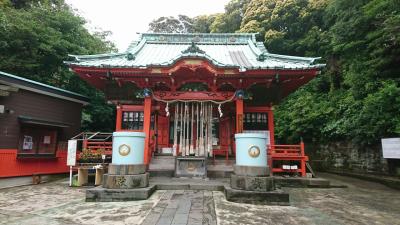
(70, 176)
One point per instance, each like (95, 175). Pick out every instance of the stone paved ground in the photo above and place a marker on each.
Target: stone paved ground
(183, 207)
(55, 203)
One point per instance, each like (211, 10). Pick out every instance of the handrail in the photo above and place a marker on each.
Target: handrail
(288, 150)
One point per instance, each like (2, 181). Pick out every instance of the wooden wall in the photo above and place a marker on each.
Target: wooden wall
(11, 166)
(41, 106)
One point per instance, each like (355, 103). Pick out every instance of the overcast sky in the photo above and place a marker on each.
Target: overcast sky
(124, 18)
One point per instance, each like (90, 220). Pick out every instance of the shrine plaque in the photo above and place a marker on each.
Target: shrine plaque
(391, 148)
(71, 156)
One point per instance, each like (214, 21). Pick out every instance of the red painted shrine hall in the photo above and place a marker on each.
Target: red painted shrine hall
(190, 93)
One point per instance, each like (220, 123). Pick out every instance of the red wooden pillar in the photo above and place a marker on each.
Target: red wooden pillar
(118, 120)
(271, 126)
(146, 129)
(239, 115)
(303, 161)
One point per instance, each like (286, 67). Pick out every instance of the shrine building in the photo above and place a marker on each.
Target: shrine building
(190, 93)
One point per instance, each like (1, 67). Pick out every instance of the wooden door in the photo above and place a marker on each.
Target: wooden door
(162, 132)
(225, 133)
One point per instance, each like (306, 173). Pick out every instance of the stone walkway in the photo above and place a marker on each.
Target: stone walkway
(183, 207)
(55, 204)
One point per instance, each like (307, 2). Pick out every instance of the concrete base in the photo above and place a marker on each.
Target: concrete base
(250, 183)
(126, 169)
(112, 181)
(254, 171)
(219, 173)
(276, 197)
(161, 173)
(301, 182)
(100, 194)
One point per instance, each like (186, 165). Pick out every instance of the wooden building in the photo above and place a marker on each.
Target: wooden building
(190, 93)
(36, 120)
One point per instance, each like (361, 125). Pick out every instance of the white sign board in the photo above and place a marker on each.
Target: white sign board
(71, 157)
(391, 148)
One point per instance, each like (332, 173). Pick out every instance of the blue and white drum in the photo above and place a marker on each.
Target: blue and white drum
(128, 148)
(251, 149)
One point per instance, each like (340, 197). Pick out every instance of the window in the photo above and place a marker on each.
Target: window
(37, 140)
(255, 121)
(132, 120)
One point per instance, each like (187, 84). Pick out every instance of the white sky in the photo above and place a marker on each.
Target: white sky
(124, 18)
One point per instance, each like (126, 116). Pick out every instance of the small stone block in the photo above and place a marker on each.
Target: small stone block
(255, 171)
(251, 183)
(115, 169)
(256, 197)
(100, 194)
(126, 181)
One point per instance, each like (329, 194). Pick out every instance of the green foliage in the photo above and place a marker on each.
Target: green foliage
(181, 24)
(229, 21)
(37, 36)
(360, 42)
(202, 24)
(356, 98)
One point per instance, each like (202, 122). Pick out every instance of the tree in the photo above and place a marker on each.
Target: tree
(37, 36)
(182, 24)
(202, 24)
(229, 22)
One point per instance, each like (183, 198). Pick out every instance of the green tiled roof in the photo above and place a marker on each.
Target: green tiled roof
(223, 50)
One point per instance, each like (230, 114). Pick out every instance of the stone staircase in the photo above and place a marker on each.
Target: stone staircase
(164, 166)
(220, 168)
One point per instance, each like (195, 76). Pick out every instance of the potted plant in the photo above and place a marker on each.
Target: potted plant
(87, 156)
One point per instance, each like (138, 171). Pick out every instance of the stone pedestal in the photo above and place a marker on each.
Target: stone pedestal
(253, 185)
(127, 178)
(251, 181)
(112, 181)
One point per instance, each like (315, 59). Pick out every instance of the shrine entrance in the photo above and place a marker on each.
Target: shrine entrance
(191, 93)
(194, 128)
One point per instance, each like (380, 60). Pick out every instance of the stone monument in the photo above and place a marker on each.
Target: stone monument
(127, 178)
(251, 181)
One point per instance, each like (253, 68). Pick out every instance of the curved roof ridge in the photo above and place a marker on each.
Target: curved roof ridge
(289, 57)
(196, 55)
(136, 49)
(96, 56)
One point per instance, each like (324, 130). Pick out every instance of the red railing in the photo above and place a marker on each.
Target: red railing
(95, 141)
(287, 153)
(96, 145)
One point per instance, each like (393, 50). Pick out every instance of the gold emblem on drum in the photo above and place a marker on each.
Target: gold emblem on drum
(254, 151)
(124, 150)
